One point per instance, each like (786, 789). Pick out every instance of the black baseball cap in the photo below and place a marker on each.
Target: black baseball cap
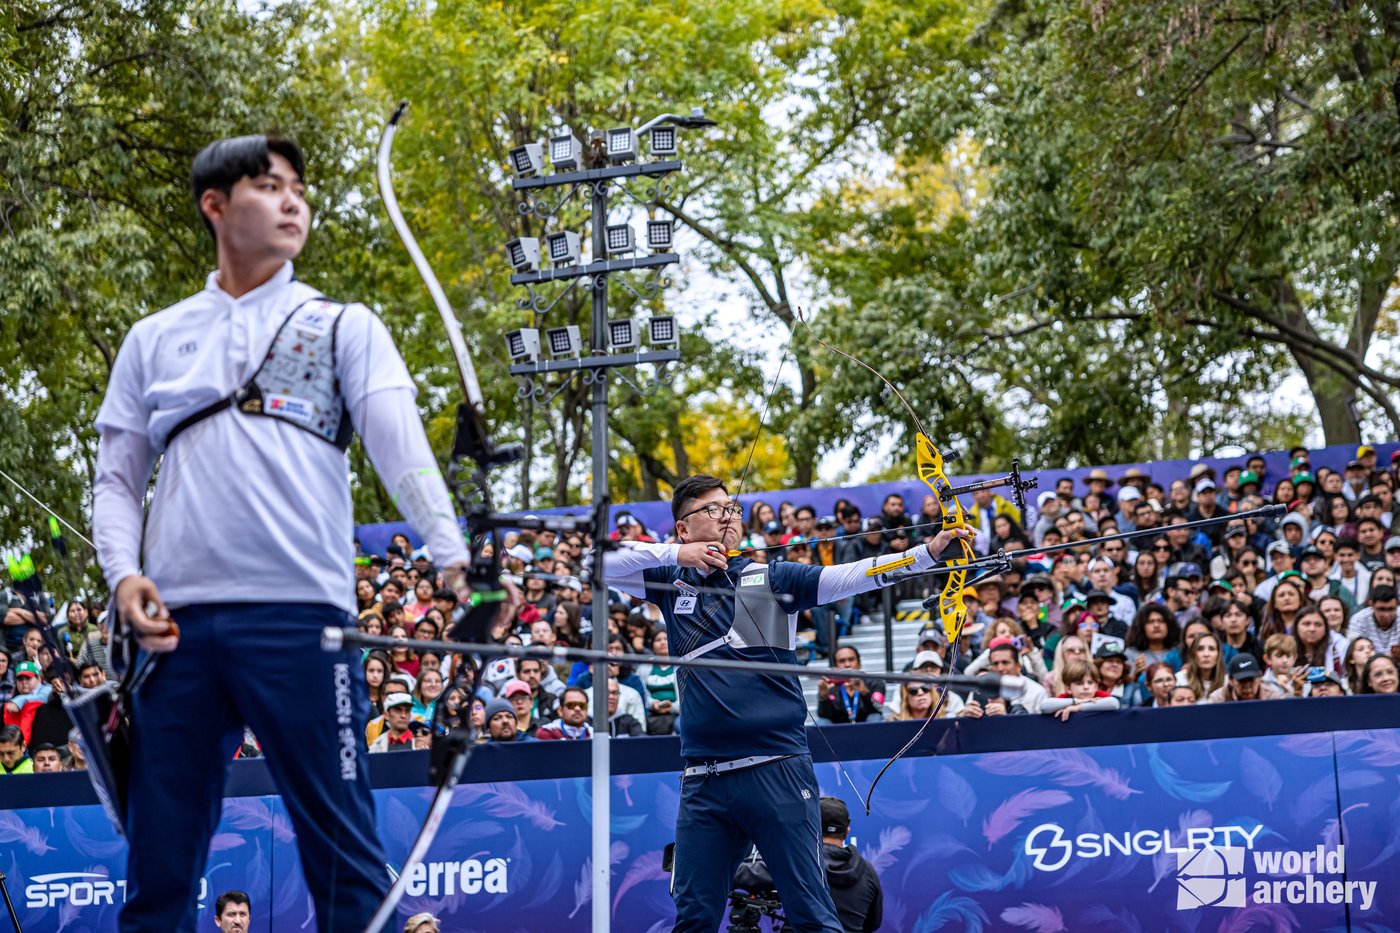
(773, 528)
(1311, 551)
(1112, 648)
(826, 521)
(1244, 666)
(836, 818)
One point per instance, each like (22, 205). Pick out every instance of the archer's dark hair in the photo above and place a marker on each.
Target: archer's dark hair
(230, 897)
(690, 489)
(223, 162)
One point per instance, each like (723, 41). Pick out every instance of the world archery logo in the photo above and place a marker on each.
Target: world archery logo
(1210, 878)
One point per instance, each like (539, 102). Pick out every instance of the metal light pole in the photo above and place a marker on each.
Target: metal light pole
(596, 368)
(602, 735)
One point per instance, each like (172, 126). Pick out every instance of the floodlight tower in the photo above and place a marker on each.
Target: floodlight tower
(608, 160)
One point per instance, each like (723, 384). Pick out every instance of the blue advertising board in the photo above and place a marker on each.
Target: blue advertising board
(1274, 832)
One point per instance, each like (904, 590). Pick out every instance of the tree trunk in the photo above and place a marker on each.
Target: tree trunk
(802, 455)
(1334, 397)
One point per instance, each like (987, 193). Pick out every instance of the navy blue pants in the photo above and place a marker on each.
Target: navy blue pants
(262, 665)
(774, 806)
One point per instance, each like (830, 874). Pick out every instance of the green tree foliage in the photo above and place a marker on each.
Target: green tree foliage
(103, 104)
(1223, 175)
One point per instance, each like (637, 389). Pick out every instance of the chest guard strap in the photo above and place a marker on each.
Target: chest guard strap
(296, 381)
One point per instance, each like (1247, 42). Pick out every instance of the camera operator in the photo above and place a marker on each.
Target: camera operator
(855, 887)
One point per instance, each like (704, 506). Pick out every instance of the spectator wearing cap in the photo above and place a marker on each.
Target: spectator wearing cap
(1038, 608)
(1392, 552)
(629, 528)
(1103, 577)
(522, 700)
(502, 724)
(1281, 561)
(1099, 603)
(518, 558)
(1081, 694)
(1322, 683)
(1313, 565)
(1245, 683)
(1354, 481)
(919, 701)
(545, 687)
(774, 537)
(855, 885)
(1376, 621)
(1127, 499)
(22, 707)
(823, 547)
(1049, 507)
(1205, 505)
(398, 734)
(1116, 678)
(1371, 506)
(1366, 456)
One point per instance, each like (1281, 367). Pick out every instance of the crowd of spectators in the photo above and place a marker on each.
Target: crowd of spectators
(1298, 605)
(1252, 608)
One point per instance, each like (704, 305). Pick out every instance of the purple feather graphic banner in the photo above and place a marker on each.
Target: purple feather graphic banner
(1104, 837)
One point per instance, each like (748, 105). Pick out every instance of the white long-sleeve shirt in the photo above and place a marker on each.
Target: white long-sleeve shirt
(248, 507)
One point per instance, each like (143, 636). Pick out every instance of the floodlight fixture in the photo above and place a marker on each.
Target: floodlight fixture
(664, 141)
(660, 234)
(621, 145)
(527, 160)
(563, 248)
(661, 332)
(620, 239)
(565, 151)
(523, 253)
(623, 335)
(563, 341)
(523, 345)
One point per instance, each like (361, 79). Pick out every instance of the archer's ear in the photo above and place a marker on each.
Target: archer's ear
(213, 204)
